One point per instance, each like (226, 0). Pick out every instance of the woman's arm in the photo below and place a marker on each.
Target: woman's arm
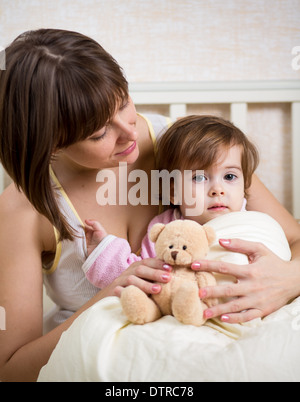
(20, 289)
(262, 200)
(268, 282)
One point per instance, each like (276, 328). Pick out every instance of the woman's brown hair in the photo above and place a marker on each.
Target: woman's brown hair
(196, 142)
(59, 87)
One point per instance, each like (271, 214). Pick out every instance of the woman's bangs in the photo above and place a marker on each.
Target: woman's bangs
(91, 109)
(102, 107)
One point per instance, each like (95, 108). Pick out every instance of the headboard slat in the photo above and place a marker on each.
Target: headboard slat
(296, 158)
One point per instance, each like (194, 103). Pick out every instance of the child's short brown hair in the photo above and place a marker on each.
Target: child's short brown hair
(195, 142)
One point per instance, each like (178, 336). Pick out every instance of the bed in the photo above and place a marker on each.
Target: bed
(102, 346)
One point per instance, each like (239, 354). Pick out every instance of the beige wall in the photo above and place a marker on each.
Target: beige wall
(175, 40)
(189, 40)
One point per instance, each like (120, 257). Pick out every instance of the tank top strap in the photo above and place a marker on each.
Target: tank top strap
(72, 217)
(68, 208)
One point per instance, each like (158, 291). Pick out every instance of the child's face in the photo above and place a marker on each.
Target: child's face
(221, 186)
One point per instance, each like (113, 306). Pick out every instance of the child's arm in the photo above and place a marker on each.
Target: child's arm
(108, 255)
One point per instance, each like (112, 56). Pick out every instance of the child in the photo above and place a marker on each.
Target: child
(209, 143)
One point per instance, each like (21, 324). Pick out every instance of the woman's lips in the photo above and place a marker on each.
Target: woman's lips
(128, 151)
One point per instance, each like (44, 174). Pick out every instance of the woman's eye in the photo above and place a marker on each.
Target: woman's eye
(124, 105)
(99, 137)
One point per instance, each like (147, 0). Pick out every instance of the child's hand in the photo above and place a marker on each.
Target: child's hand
(94, 233)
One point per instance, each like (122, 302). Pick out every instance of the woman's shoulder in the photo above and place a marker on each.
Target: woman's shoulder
(17, 212)
(13, 202)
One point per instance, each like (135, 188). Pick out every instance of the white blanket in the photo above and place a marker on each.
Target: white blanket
(102, 346)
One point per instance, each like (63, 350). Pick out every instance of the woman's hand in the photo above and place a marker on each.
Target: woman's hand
(143, 274)
(262, 287)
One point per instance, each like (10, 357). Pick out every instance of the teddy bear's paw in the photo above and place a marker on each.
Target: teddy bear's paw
(138, 307)
(211, 302)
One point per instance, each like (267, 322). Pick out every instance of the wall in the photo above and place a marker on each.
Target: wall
(175, 40)
(189, 40)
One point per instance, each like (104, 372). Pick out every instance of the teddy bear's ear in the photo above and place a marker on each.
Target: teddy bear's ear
(156, 231)
(210, 234)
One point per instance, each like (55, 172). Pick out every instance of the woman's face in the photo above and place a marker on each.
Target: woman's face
(114, 143)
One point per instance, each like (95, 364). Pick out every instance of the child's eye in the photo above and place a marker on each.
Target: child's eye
(230, 177)
(199, 178)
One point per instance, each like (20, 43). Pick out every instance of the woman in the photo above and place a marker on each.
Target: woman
(64, 104)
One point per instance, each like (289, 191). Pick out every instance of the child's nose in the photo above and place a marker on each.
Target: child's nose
(216, 191)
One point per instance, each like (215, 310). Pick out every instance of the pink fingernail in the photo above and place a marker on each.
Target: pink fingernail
(167, 267)
(202, 293)
(165, 277)
(155, 288)
(225, 318)
(196, 265)
(208, 314)
(226, 242)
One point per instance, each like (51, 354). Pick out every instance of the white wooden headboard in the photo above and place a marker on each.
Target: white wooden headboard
(236, 94)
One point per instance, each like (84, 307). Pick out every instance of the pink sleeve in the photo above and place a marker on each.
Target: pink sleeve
(107, 262)
(113, 256)
(148, 248)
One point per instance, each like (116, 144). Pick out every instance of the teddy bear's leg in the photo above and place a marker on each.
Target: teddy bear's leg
(138, 307)
(187, 306)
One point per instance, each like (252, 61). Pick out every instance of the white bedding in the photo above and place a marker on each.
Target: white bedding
(102, 346)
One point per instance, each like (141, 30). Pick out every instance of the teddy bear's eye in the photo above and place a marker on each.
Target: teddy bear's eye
(184, 247)
(171, 246)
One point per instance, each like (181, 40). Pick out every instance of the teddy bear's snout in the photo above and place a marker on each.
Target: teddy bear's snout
(174, 255)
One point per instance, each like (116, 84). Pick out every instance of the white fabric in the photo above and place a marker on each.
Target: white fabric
(251, 226)
(67, 286)
(102, 346)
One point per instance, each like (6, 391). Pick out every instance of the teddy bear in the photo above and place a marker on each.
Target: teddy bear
(178, 243)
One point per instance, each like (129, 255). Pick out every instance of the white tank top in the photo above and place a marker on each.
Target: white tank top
(64, 280)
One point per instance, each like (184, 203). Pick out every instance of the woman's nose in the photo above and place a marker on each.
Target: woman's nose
(127, 131)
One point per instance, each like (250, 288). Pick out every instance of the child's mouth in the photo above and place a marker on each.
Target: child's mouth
(217, 207)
